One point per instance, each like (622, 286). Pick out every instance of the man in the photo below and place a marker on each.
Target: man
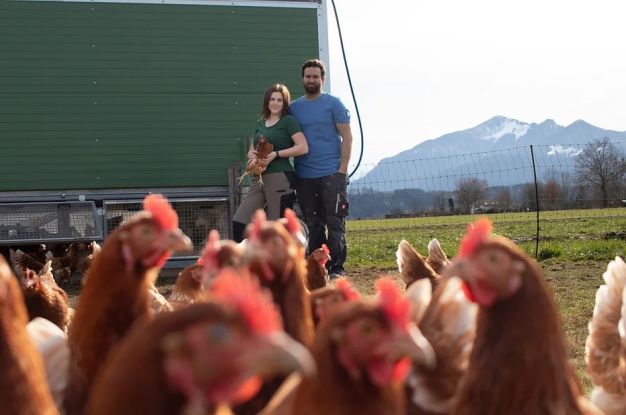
(321, 184)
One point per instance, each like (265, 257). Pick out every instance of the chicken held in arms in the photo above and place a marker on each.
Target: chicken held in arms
(257, 165)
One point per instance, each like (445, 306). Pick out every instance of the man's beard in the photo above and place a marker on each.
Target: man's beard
(312, 88)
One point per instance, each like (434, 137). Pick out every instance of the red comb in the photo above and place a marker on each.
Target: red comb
(325, 249)
(346, 290)
(258, 221)
(293, 224)
(161, 210)
(477, 233)
(395, 306)
(208, 259)
(254, 304)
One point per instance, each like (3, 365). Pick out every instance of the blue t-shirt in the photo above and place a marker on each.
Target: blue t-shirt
(318, 118)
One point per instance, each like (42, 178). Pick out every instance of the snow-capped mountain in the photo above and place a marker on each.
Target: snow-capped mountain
(497, 151)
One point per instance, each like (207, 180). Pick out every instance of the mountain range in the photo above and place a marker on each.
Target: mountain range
(497, 151)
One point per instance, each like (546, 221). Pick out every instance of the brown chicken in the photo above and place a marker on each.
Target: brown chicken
(21, 261)
(519, 363)
(44, 298)
(413, 266)
(37, 252)
(189, 286)
(257, 165)
(363, 355)
(605, 348)
(63, 257)
(209, 353)
(23, 386)
(83, 262)
(448, 321)
(193, 281)
(116, 291)
(316, 272)
(275, 254)
(328, 300)
(437, 259)
(158, 302)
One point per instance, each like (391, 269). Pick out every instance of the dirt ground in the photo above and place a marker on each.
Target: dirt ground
(364, 278)
(574, 285)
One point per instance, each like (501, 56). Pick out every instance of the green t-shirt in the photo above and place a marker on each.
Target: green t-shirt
(279, 135)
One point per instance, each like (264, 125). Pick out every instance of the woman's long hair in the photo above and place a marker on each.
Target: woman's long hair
(265, 111)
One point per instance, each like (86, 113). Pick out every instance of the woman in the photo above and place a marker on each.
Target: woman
(276, 191)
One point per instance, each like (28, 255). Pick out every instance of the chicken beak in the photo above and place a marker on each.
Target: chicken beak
(178, 241)
(278, 354)
(412, 344)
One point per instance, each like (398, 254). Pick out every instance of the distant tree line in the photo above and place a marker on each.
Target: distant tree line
(598, 181)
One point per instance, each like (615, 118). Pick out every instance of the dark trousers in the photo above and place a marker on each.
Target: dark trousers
(324, 205)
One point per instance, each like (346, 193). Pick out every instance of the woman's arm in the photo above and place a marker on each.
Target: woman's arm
(300, 148)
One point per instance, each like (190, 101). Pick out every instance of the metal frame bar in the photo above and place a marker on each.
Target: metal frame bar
(90, 204)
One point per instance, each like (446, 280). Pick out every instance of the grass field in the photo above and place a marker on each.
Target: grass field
(574, 250)
(574, 235)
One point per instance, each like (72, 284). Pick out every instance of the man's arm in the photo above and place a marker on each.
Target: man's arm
(346, 146)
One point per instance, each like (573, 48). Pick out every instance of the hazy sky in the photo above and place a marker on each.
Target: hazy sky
(424, 68)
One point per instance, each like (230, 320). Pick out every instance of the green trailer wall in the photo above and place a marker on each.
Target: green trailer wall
(124, 95)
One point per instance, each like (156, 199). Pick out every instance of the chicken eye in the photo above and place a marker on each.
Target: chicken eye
(146, 230)
(335, 299)
(366, 328)
(219, 333)
(493, 258)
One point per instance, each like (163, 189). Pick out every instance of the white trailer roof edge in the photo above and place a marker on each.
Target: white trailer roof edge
(242, 3)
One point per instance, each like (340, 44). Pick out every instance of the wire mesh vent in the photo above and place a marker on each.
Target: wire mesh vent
(196, 218)
(45, 222)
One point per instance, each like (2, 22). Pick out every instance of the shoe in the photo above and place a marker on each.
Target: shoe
(337, 274)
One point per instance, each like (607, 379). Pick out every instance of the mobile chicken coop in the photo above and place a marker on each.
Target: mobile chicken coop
(104, 101)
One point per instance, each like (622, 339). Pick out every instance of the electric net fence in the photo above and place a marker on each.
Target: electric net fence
(539, 191)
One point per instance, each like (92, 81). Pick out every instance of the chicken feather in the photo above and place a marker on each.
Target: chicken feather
(604, 347)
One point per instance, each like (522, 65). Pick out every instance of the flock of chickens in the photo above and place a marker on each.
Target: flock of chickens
(258, 328)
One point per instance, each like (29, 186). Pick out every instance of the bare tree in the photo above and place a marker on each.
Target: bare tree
(552, 195)
(468, 192)
(505, 200)
(601, 166)
(439, 202)
(528, 196)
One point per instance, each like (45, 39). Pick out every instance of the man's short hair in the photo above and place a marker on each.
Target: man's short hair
(314, 63)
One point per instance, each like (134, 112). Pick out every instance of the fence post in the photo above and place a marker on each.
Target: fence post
(532, 156)
(234, 194)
